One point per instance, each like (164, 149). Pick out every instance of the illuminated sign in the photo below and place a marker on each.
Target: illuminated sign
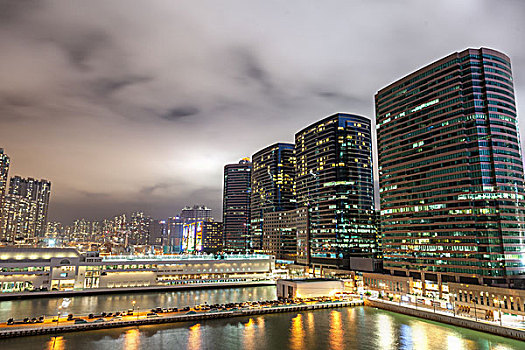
(198, 237)
(191, 237)
(185, 234)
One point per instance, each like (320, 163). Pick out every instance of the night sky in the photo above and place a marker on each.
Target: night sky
(137, 105)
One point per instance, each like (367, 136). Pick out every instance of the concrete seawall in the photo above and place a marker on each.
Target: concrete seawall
(58, 294)
(456, 321)
(29, 331)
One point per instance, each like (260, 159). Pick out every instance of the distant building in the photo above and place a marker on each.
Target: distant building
(334, 180)
(139, 228)
(4, 171)
(236, 206)
(196, 213)
(37, 191)
(158, 233)
(202, 236)
(272, 187)
(175, 229)
(212, 236)
(451, 172)
(19, 220)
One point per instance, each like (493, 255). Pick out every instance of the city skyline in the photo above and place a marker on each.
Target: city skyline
(113, 123)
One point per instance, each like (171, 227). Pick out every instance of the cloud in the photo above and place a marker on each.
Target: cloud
(180, 112)
(139, 107)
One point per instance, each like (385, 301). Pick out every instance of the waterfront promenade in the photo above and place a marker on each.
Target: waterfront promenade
(63, 325)
(440, 315)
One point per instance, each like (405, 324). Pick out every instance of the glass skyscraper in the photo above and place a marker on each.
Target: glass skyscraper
(236, 206)
(272, 184)
(334, 181)
(451, 172)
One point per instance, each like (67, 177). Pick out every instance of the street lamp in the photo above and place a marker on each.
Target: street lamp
(434, 302)
(499, 304)
(475, 300)
(454, 303)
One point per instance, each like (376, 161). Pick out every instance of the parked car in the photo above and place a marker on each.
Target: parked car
(152, 314)
(69, 317)
(98, 320)
(10, 321)
(80, 321)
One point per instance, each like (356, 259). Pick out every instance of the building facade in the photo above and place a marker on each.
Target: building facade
(285, 234)
(196, 213)
(334, 180)
(451, 172)
(4, 171)
(272, 185)
(37, 191)
(66, 269)
(236, 206)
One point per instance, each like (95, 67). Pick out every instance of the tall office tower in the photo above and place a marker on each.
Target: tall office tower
(333, 178)
(236, 206)
(37, 191)
(195, 213)
(4, 171)
(272, 184)
(451, 172)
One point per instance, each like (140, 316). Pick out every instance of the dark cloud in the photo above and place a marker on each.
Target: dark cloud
(108, 86)
(139, 107)
(177, 113)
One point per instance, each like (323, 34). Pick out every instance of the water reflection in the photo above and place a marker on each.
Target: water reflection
(194, 338)
(132, 339)
(419, 335)
(297, 333)
(56, 343)
(336, 330)
(249, 334)
(362, 328)
(119, 302)
(385, 330)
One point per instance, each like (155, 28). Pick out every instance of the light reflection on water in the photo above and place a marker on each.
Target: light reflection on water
(345, 328)
(194, 339)
(297, 333)
(336, 330)
(132, 339)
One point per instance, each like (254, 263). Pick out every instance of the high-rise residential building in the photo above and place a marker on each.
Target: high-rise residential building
(19, 220)
(272, 186)
(195, 213)
(4, 171)
(139, 229)
(236, 206)
(451, 172)
(333, 178)
(38, 191)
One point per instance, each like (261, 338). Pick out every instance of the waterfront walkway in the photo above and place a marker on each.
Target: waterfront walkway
(447, 317)
(138, 319)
